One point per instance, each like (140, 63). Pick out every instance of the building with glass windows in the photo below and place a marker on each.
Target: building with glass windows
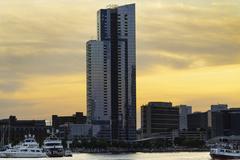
(111, 73)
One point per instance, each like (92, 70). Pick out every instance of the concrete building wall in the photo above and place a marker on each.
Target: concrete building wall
(184, 110)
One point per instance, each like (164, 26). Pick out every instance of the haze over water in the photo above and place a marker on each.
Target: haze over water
(140, 156)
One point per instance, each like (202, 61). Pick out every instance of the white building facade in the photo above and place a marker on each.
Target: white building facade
(184, 110)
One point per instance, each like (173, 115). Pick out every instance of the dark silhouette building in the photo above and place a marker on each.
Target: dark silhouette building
(226, 122)
(77, 118)
(159, 118)
(219, 107)
(197, 121)
(219, 121)
(13, 130)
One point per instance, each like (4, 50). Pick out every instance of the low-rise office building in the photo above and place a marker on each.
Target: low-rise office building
(72, 132)
(13, 130)
(77, 118)
(197, 121)
(159, 119)
(225, 122)
(184, 110)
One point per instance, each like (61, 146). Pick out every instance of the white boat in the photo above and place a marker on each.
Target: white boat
(221, 153)
(53, 146)
(225, 151)
(23, 153)
(28, 149)
(28, 142)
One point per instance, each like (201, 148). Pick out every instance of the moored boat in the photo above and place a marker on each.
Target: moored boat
(28, 149)
(221, 153)
(23, 153)
(53, 146)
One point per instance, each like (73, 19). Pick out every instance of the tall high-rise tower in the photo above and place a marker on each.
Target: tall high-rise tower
(111, 72)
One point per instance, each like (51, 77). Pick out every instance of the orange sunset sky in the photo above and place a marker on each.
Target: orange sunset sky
(188, 52)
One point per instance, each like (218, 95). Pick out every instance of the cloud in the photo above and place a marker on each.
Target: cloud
(46, 38)
(42, 41)
(197, 32)
(44, 64)
(10, 86)
(9, 103)
(149, 61)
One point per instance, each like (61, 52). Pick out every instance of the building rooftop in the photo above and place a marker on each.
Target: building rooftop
(114, 6)
(160, 104)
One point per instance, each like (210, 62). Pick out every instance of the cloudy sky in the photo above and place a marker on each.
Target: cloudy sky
(188, 52)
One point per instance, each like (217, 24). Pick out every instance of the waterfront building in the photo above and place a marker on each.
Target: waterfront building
(159, 119)
(111, 73)
(72, 132)
(220, 123)
(211, 113)
(197, 121)
(77, 118)
(234, 121)
(184, 110)
(225, 122)
(13, 130)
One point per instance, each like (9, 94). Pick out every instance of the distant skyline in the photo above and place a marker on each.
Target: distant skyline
(188, 52)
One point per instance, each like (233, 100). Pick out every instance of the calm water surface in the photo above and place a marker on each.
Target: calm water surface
(139, 156)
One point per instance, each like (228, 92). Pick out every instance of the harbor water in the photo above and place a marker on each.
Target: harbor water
(135, 156)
